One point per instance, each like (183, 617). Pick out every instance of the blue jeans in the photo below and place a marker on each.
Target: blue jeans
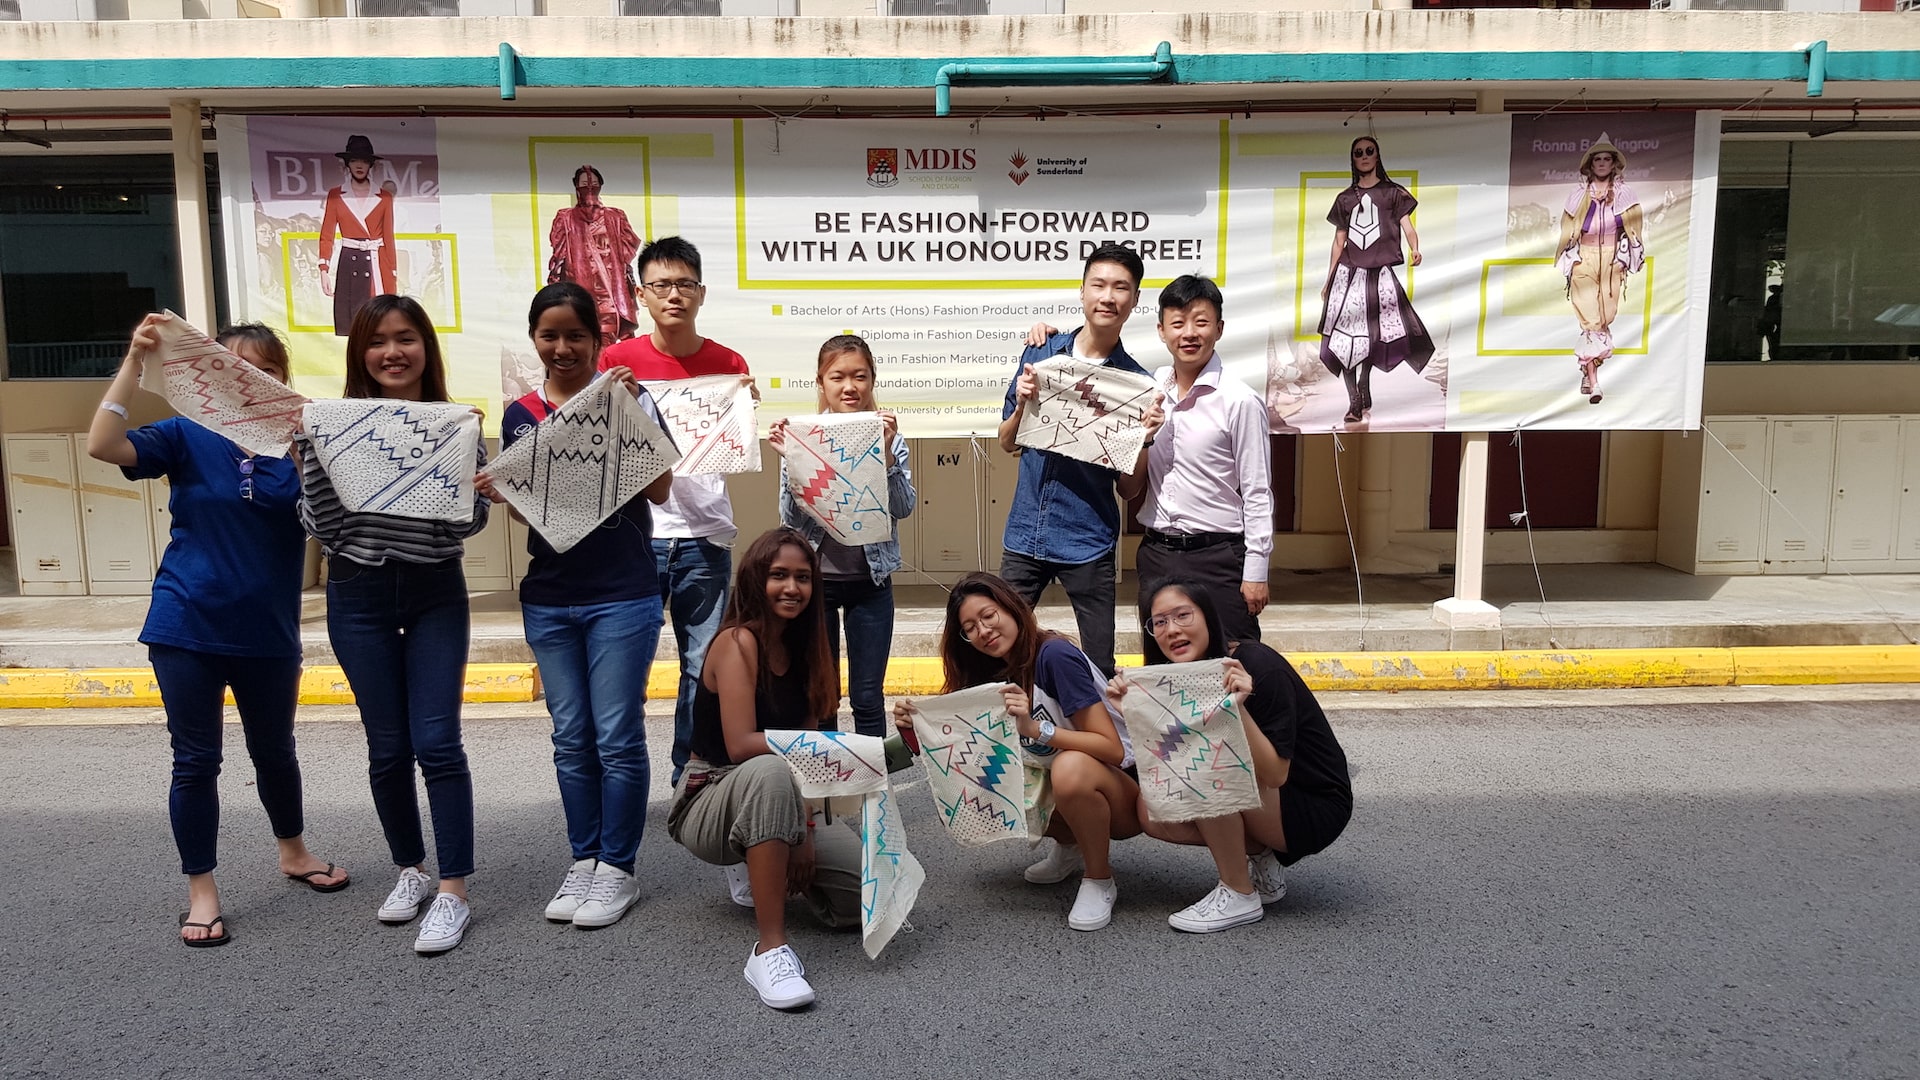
(400, 631)
(192, 687)
(693, 574)
(868, 611)
(594, 660)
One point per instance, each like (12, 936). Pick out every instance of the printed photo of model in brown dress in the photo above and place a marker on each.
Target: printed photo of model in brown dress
(1368, 323)
(358, 219)
(1600, 244)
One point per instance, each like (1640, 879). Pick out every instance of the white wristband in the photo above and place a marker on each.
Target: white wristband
(115, 408)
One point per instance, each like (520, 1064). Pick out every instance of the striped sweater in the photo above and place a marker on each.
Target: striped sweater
(372, 539)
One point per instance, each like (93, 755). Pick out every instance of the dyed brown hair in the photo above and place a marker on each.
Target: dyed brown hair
(264, 341)
(805, 635)
(433, 381)
(963, 665)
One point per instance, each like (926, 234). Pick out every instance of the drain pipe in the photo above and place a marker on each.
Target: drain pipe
(509, 72)
(1066, 72)
(1816, 68)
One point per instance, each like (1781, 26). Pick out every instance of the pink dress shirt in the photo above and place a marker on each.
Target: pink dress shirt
(1209, 468)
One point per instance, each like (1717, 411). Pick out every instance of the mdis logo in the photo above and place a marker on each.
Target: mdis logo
(883, 167)
(939, 160)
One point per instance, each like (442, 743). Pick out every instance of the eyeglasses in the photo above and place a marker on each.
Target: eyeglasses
(979, 625)
(246, 478)
(666, 288)
(1364, 151)
(1180, 619)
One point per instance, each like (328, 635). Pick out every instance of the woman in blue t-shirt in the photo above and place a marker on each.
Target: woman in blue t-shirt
(1306, 797)
(225, 613)
(1058, 703)
(593, 618)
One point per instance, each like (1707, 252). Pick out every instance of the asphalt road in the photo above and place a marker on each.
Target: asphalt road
(1638, 888)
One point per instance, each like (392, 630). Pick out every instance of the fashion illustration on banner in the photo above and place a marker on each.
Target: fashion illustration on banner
(359, 219)
(594, 246)
(1600, 244)
(1368, 322)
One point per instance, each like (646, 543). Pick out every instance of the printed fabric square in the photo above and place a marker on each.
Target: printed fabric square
(837, 472)
(407, 459)
(981, 784)
(839, 764)
(1189, 741)
(585, 461)
(711, 420)
(220, 391)
(1089, 412)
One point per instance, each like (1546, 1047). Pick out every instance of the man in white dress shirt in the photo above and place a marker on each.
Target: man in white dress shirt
(1209, 506)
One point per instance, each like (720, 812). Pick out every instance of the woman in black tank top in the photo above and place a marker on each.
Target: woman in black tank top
(1305, 795)
(768, 670)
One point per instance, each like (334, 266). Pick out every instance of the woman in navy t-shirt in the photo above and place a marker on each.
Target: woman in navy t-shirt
(1305, 794)
(593, 617)
(1058, 704)
(225, 613)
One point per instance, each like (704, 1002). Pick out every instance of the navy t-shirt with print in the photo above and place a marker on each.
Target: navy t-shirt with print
(613, 562)
(1064, 682)
(229, 582)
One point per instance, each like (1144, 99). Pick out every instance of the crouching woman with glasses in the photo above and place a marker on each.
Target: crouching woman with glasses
(225, 613)
(1305, 795)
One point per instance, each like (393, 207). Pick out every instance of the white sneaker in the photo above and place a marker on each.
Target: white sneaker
(445, 924)
(1093, 908)
(779, 978)
(1269, 878)
(739, 886)
(1221, 909)
(613, 891)
(1061, 862)
(573, 890)
(403, 903)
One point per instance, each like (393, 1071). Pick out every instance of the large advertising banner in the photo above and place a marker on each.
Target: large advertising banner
(1394, 274)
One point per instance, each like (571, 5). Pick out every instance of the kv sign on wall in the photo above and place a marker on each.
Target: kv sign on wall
(1414, 273)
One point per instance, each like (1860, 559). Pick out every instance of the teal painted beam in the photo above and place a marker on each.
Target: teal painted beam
(1067, 71)
(914, 73)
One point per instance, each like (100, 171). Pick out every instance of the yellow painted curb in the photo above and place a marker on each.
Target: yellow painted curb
(56, 688)
(917, 676)
(1820, 664)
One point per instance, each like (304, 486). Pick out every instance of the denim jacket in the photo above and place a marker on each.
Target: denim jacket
(883, 558)
(1064, 510)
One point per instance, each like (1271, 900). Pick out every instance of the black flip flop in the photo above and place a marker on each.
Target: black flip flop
(209, 941)
(307, 880)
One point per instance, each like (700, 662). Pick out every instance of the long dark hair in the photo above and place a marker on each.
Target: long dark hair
(265, 342)
(805, 636)
(566, 294)
(433, 381)
(1202, 602)
(964, 665)
(1379, 161)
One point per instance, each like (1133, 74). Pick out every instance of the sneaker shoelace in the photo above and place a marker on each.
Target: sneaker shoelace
(782, 965)
(408, 890)
(578, 883)
(441, 917)
(1215, 902)
(602, 889)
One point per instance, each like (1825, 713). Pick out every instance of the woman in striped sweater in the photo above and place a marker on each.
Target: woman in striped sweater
(398, 620)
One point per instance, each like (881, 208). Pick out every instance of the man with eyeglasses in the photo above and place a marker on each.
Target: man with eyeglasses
(693, 530)
(1208, 484)
(1064, 524)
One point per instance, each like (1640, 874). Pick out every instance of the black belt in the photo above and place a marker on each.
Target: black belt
(1190, 541)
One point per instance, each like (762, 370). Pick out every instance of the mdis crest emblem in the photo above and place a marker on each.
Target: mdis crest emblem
(883, 167)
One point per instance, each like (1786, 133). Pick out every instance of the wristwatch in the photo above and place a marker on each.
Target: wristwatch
(1047, 729)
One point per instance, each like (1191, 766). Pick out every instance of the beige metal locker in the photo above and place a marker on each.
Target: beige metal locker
(952, 493)
(116, 528)
(486, 562)
(1733, 493)
(1800, 479)
(1866, 490)
(518, 559)
(160, 512)
(1907, 542)
(46, 515)
(756, 499)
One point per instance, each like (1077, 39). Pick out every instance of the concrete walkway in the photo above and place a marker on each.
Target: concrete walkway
(1602, 606)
